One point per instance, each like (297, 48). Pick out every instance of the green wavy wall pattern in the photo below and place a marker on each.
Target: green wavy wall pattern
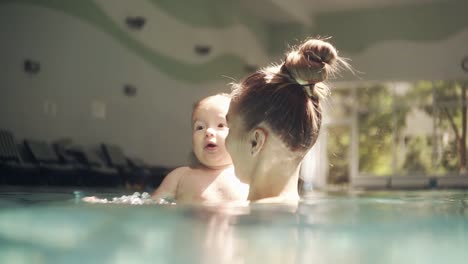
(352, 30)
(215, 14)
(203, 13)
(424, 23)
(88, 11)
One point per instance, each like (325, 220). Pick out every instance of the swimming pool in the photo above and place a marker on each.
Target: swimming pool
(53, 226)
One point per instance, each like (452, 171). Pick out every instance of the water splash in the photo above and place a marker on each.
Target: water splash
(134, 199)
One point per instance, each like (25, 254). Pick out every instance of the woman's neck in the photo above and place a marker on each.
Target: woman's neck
(275, 182)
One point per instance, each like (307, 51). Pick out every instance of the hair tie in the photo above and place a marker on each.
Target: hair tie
(308, 87)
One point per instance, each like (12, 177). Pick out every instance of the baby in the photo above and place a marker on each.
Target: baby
(212, 179)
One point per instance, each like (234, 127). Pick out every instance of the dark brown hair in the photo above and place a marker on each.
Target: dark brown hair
(287, 97)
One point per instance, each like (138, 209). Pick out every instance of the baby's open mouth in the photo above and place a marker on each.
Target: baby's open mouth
(211, 146)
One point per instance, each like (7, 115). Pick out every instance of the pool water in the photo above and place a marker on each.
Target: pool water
(54, 226)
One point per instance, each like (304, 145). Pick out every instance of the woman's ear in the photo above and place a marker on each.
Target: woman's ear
(258, 138)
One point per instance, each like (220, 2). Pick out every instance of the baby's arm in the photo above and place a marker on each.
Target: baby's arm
(168, 187)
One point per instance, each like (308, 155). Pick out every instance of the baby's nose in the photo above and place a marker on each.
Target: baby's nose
(210, 132)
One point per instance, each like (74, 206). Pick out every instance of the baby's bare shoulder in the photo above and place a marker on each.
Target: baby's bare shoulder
(180, 171)
(190, 174)
(169, 186)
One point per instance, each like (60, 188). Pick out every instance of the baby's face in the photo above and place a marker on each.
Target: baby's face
(209, 131)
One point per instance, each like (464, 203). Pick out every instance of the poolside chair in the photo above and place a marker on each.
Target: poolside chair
(94, 170)
(60, 148)
(158, 173)
(133, 170)
(56, 171)
(13, 169)
(147, 176)
(140, 170)
(115, 158)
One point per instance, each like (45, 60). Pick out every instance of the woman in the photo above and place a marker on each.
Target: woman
(275, 118)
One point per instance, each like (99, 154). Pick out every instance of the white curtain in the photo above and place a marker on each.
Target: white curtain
(314, 167)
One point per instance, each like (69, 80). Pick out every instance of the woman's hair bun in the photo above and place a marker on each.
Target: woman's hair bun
(317, 50)
(311, 62)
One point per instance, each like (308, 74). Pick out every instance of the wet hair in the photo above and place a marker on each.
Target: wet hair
(286, 97)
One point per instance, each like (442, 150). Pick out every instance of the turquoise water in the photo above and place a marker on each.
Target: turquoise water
(54, 226)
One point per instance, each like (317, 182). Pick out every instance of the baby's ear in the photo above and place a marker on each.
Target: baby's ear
(257, 140)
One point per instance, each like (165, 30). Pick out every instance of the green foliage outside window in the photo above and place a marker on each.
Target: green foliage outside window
(376, 125)
(387, 148)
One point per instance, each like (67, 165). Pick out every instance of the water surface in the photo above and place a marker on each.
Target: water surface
(54, 226)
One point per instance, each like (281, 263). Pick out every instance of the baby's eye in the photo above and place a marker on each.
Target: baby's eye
(198, 127)
(222, 125)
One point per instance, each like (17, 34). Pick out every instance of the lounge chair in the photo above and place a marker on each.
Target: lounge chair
(115, 158)
(52, 168)
(13, 169)
(94, 170)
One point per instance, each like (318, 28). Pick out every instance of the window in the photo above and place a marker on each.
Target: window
(402, 128)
